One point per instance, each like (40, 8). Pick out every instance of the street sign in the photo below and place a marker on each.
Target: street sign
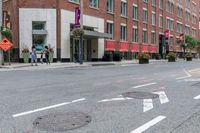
(167, 34)
(5, 44)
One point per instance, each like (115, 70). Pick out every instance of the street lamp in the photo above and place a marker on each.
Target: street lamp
(81, 37)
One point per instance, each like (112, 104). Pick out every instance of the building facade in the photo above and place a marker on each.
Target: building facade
(134, 25)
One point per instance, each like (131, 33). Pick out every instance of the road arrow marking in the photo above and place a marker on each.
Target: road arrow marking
(46, 108)
(149, 124)
(162, 96)
(147, 105)
(139, 86)
(197, 97)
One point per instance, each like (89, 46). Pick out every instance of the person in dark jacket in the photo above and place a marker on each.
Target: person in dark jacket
(46, 52)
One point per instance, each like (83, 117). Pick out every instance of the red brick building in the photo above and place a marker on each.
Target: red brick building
(135, 25)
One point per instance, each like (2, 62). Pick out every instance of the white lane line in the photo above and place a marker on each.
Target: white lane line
(187, 73)
(149, 124)
(147, 105)
(197, 97)
(115, 99)
(46, 108)
(139, 86)
(162, 96)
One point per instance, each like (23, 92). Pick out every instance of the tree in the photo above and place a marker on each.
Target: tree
(7, 33)
(191, 42)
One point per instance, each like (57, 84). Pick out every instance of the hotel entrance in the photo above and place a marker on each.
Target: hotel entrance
(74, 50)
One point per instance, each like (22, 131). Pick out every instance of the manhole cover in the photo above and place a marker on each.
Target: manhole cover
(62, 122)
(140, 95)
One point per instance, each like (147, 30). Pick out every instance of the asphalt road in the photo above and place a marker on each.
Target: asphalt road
(162, 98)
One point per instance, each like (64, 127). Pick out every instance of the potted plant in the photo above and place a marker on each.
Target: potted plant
(78, 32)
(188, 56)
(171, 57)
(25, 54)
(51, 53)
(108, 56)
(157, 56)
(143, 58)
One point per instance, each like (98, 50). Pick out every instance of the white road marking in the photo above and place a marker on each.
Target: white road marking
(115, 99)
(162, 96)
(192, 80)
(197, 97)
(139, 86)
(147, 105)
(187, 73)
(148, 124)
(46, 108)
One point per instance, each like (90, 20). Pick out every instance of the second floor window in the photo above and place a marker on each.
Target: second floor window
(123, 8)
(145, 16)
(123, 33)
(135, 12)
(153, 19)
(109, 5)
(94, 3)
(110, 29)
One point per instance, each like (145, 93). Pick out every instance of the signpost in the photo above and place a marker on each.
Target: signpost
(5, 45)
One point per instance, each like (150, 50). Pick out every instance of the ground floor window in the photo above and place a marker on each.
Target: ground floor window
(39, 41)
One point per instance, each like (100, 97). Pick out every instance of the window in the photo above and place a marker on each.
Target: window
(38, 25)
(170, 24)
(135, 12)
(123, 33)
(161, 21)
(94, 3)
(194, 19)
(145, 1)
(161, 4)
(153, 2)
(179, 28)
(193, 32)
(123, 8)
(153, 38)
(194, 7)
(110, 29)
(187, 16)
(179, 11)
(170, 6)
(145, 15)
(109, 5)
(135, 35)
(187, 3)
(144, 36)
(171, 40)
(153, 19)
(187, 30)
(75, 1)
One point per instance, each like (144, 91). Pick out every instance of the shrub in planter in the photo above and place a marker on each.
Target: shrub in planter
(78, 32)
(51, 53)
(171, 57)
(157, 56)
(108, 56)
(188, 56)
(143, 58)
(117, 56)
(25, 54)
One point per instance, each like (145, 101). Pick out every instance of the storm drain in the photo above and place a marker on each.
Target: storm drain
(62, 122)
(140, 95)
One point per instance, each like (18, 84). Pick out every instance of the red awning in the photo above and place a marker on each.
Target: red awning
(135, 48)
(110, 45)
(145, 48)
(123, 47)
(154, 49)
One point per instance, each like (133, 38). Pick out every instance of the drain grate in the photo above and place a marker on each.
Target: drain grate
(62, 122)
(140, 95)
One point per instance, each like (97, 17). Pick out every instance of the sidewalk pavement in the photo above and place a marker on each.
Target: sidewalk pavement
(71, 65)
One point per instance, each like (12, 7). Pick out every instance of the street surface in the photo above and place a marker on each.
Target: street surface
(160, 97)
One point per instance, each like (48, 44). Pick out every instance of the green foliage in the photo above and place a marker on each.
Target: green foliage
(171, 56)
(117, 56)
(143, 56)
(78, 32)
(190, 41)
(7, 33)
(188, 55)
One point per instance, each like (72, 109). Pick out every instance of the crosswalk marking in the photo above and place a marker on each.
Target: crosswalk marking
(162, 96)
(197, 97)
(147, 105)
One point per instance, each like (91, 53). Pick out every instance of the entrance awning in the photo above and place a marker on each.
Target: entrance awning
(95, 34)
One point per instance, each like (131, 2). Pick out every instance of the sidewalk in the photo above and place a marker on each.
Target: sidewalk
(71, 65)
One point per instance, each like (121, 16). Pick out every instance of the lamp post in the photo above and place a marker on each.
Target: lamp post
(81, 37)
(1, 51)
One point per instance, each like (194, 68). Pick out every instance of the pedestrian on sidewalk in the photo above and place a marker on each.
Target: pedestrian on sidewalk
(41, 57)
(46, 52)
(33, 56)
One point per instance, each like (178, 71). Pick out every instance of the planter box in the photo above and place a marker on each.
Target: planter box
(50, 57)
(26, 57)
(188, 59)
(171, 60)
(143, 61)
